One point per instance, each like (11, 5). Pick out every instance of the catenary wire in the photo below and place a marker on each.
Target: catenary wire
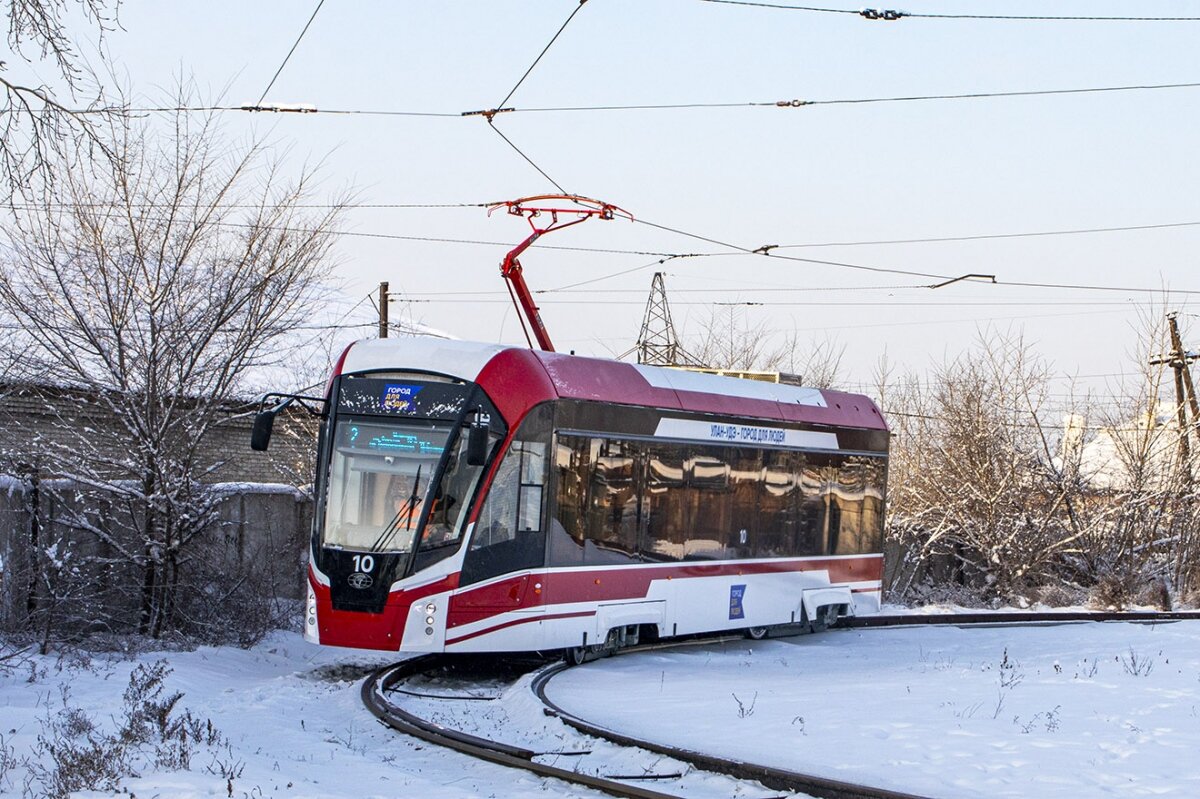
(765, 251)
(739, 250)
(884, 14)
(553, 39)
(779, 104)
(810, 244)
(986, 236)
(287, 57)
(530, 161)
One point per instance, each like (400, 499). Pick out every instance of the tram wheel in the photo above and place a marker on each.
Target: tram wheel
(756, 633)
(575, 655)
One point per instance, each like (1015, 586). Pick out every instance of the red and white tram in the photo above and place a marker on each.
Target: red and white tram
(476, 497)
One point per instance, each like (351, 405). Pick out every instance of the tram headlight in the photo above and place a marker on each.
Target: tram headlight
(429, 619)
(430, 608)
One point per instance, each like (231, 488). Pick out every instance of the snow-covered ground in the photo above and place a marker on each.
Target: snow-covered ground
(290, 712)
(1053, 711)
(1067, 710)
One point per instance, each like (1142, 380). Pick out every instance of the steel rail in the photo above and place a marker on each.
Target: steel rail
(397, 718)
(776, 778)
(471, 745)
(1017, 618)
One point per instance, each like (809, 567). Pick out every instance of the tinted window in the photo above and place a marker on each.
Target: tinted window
(509, 534)
(622, 501)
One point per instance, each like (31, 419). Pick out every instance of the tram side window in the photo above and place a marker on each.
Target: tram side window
(711, 505)
(665, 508)
(777, 505)
(812, 509)
(596, 516)
(568, 527)
(747, 488)
(508, 534)
(857, 494)
(612, 523)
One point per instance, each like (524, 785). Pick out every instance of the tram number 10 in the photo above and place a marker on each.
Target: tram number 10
(363, 563)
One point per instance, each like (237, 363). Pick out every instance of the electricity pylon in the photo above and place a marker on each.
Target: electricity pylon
(657, 344)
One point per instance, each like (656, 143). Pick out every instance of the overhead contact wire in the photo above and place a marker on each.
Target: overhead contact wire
(789, 103)
(553, 39)
(527, 158)
(766, 251)
(287, 57)
(490, 115)
(890, 15)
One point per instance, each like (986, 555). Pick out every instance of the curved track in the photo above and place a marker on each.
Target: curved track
(374, 694)
(376, 688)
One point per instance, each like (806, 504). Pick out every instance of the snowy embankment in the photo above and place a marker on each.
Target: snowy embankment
(1053, 711)
(289, 715)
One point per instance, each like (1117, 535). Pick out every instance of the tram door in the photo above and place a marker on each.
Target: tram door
(507, 542)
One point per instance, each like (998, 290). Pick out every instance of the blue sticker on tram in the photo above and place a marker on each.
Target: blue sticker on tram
(399, 397)
(736, 594)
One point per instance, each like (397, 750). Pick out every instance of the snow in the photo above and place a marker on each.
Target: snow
(224, 489)
(290, 711)
(11, 485)
(1050, 711)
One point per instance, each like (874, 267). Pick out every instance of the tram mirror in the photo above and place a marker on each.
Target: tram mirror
(260, 434)
(477, 445)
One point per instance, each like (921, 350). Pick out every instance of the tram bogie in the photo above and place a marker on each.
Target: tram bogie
(479, 498)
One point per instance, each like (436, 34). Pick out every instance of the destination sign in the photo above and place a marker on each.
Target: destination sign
(755, 435)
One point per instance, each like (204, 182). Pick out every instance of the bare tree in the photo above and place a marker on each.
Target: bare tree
(729, 341)
(977, 473)
(153, 287)
(1142, 477)
(39, 120)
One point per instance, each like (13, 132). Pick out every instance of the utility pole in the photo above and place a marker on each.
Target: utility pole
(383, 309)
(1185, 390)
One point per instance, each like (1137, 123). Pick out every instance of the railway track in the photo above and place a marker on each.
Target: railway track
(680, 773)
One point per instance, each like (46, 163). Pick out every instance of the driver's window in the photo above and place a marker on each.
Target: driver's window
(508, 533)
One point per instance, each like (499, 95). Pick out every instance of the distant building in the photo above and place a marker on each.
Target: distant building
(33, 418)
(1142, 452)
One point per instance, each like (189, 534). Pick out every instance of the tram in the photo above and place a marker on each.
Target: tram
(483, 498)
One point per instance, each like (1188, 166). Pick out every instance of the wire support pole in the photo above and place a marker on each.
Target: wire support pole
(383, 309)
(1180, 360)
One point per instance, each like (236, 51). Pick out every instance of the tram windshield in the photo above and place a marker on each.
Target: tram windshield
(380, 473)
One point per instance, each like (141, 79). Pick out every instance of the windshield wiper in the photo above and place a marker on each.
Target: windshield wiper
(393, 526)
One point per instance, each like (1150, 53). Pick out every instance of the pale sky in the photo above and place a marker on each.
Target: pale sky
(749, 176)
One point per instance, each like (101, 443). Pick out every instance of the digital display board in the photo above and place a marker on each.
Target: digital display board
(391, 440)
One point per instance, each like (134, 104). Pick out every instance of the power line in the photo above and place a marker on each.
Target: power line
(287, 57)
(983, 236)
(489, 115)
(553, 39)
(890, 15)
(801, 245)
(799, 103)
(529, 160)
(778, 104)
(765, 251)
